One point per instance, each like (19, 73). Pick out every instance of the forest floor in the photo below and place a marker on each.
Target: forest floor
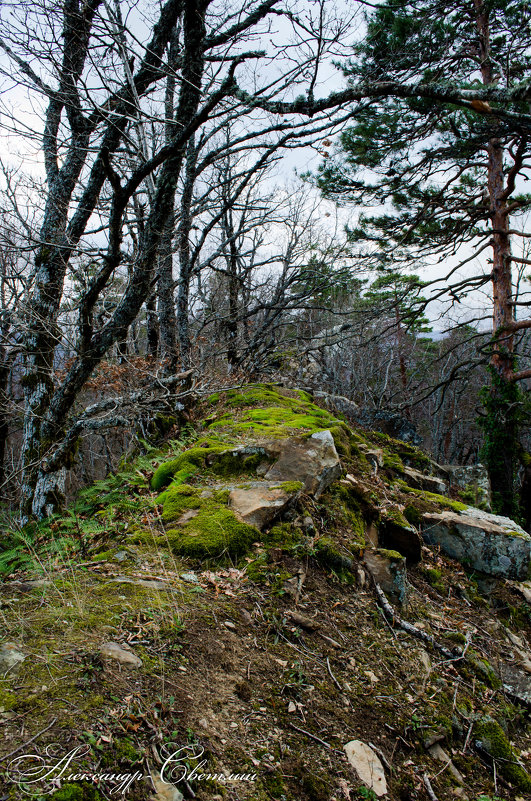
(264, 666)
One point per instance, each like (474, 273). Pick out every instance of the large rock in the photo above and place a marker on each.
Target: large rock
(389, 423)
(489, 543)
(337, 403)
(258, 503)
(472, 478)
(312, 461)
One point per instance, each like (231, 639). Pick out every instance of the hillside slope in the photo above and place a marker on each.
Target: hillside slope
(269, 596)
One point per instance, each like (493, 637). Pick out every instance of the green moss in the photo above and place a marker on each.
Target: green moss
(433, 577)
(342, 439)
(483, 669)
(393, 462)
(257, 569)
(75, 792)
(124, 752)
(184, 466)
(347, 506)
(274, 422)
(290, 486)
(284, 535)
(395, 516)
(315, 787)
(494, 741)
(105, 555)
(225, 459)
(412, 515)
(170, 470)
(274, 784)
(393, 556)
(328, 554)
(230, 463)
(179, 499)
(433, 497)
(7, 700)
(273, 412)
(213, 533)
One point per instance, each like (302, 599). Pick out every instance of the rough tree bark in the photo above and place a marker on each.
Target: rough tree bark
(50, 411)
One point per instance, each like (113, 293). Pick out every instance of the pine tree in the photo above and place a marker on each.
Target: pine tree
(444, 175)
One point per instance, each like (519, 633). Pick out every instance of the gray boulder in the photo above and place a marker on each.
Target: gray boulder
(489, 543)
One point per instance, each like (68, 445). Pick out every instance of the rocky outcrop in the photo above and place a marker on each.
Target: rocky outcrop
(308, 465)
(489, 543)
(396, 533)
(312, 461)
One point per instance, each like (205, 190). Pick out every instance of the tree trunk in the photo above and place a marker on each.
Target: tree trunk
(165, 302)
(500, 425)
(185, 262)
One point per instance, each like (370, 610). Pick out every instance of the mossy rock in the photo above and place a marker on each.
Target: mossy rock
(493, 740)
(213, 533)
(393, 462)
(210, 530)
(187, 464)
(483, 669)
(433, 498)
(342, 439)
(392, 556)
(179, 499)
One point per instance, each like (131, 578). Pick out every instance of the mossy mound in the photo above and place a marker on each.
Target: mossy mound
(273, 412)
(205, 528)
